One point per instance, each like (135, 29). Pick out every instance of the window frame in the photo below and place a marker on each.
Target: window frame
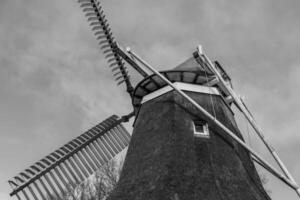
(205, 133)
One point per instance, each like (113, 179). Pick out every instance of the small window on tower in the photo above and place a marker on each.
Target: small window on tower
(201, 129)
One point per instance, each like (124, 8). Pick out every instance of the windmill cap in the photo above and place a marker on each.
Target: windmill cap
(192, 65)
(190, 71)
(196, 64)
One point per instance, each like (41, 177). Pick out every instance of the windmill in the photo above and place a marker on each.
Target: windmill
(184, 138)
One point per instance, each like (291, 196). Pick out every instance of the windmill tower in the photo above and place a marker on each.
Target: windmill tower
(185, 143)
(174, 153)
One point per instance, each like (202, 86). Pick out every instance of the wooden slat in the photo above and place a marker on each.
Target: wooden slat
(73, 162)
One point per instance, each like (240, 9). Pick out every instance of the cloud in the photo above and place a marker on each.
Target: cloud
(4, 196)
(54, 81)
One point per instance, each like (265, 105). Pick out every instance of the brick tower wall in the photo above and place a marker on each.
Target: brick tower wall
(166, 162)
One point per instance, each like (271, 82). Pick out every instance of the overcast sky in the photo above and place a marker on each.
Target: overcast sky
(55, 84)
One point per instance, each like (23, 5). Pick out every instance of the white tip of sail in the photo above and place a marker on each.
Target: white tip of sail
(200, 49)
(128, 49)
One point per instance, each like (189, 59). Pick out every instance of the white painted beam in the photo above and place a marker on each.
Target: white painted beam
(182, 86)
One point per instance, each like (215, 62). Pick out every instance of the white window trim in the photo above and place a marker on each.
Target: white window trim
(204, 134)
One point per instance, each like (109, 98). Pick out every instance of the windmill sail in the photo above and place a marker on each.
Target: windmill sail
(73, 162)
(95, 15)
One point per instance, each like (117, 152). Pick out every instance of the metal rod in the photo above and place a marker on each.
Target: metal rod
(115, 139)
(60, 176)
(71, 169)
(83, 160)
(51, 185)
(56, 181)
(45, 187)
(96, 153)
(120, 138)
(18, 196)
(23, 191)
(103, 144)
(25, 194)
(39, 190)
(100, 151)
(13, 184)
(110, 141)
(93, 156)
(113, 135)
(89, 161)
(116, 136)
(122, 135)
(105, 149)
(82, 168)
(212, 119)
(32, 192)
(248, 116)
(125, 133)
(73, 161)
(70, 181)
(109, 146)
(81, 156)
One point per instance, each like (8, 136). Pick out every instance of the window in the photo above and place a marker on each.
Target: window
(201, 129)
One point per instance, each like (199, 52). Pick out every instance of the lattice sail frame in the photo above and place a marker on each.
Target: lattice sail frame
(73, 162)
(97, 20)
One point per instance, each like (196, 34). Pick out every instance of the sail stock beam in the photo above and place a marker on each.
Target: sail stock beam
(213, 121)
(242, 107)
(73, 162)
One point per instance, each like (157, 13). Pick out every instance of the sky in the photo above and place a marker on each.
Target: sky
(55, 84)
